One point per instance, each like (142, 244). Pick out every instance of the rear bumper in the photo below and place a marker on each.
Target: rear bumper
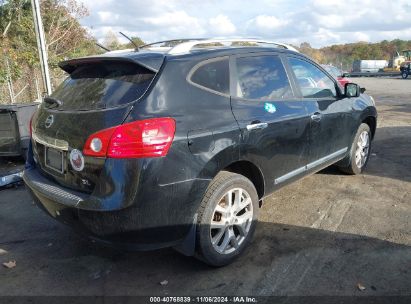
(133, 239)
(155, 219)
(43, 186)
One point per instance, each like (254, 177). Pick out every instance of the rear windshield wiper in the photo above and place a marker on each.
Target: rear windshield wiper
(53, 101)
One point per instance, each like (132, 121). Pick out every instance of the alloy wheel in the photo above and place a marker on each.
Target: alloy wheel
(363, 147)
(231, 221)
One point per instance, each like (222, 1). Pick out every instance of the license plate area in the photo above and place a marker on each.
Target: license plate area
(53, 159)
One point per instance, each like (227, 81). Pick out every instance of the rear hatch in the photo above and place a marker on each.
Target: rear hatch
(98, 94)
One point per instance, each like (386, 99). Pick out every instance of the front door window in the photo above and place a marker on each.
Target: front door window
(313, 82)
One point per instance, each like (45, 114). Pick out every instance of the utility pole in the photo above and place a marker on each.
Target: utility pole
(41, 45)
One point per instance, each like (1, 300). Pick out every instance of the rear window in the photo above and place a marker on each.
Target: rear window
(213, 75)
(103, 85)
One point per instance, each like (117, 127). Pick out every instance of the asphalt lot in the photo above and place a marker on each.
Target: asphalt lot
(320, 236)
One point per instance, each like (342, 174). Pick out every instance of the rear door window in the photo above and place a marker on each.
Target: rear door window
(103, 85)
(213, 75)
(262, 77)
(313, 82)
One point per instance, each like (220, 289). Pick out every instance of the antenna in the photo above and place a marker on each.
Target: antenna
(128, 38)
(103, 47)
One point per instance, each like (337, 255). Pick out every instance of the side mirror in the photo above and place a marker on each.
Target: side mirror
(352, 90)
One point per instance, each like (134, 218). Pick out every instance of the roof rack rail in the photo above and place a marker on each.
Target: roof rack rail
(186, 46)
(172, 42)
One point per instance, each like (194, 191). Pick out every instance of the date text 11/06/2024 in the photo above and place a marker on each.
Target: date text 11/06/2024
(170, 299)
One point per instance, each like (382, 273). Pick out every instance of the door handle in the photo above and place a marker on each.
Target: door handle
(255, 126)
(316, 117)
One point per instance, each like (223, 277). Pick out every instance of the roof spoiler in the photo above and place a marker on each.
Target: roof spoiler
(151, 62)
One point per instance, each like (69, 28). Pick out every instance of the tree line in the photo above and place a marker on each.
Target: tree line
(343, 55)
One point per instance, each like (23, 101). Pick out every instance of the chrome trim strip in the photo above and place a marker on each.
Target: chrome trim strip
(325, 159)
(185, 181)
(290, 175)
(58, 144)
(310, 166)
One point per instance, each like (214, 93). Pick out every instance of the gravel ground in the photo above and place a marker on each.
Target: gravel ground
(322, 235)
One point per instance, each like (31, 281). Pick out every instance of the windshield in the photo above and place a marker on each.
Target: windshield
(102, 85)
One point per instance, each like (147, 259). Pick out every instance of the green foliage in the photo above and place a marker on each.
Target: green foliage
(64, 35)
(136, 40)
(13, 23)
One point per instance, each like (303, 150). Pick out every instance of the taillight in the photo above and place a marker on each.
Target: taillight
(138, 139)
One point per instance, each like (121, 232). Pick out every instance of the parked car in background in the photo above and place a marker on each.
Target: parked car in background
(14, 130)
(177, 146)
(337, 74)
(405, 69)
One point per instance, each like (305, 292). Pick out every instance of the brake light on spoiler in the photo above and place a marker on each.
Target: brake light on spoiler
(139, 139)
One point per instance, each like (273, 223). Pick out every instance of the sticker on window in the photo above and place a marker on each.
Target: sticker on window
(269, 107)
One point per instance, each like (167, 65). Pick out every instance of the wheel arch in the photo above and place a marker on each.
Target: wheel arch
(229, 160)
(250, 171)
(371, 121)
(226, 160)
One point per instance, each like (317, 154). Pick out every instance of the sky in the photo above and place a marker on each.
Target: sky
(319, 22)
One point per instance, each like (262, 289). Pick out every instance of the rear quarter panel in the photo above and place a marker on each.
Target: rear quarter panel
(206, 140)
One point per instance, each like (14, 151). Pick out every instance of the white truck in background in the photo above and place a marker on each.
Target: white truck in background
(369, 66)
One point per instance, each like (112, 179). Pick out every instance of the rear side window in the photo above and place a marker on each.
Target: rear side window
(262, 77)
(313, 82)
(103, 85)
(213, 75)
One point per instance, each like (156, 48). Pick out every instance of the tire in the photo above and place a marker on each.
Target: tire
(404, 75)
(235, 232)
(355, 166)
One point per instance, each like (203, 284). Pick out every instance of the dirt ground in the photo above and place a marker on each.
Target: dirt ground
(322, 235)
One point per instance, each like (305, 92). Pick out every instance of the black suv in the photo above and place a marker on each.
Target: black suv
(177, 144)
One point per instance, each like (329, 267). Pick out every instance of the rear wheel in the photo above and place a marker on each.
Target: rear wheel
(227, 218)
(404, 74)
(360, 151)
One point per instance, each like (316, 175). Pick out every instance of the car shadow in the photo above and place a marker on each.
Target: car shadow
(390, 155)
(282, 260)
